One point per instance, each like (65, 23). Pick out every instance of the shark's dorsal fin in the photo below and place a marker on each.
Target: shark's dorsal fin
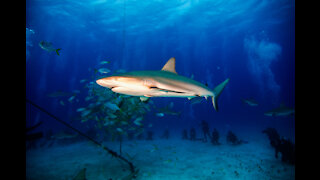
(170, 65)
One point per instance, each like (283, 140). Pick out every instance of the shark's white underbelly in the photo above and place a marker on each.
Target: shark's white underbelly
(152, 92)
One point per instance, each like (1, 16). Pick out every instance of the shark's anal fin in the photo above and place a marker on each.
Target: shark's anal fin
(170, 66)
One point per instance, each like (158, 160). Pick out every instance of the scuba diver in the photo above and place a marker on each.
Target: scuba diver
(149, 135)
(233, 139)
(215, 137)
(165, 134)
(205, 130)
(185, 134)
(192, 134)
(282, 145)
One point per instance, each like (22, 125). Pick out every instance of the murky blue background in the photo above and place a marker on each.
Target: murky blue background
(251, 42)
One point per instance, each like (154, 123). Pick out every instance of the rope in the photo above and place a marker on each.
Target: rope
(113, 153)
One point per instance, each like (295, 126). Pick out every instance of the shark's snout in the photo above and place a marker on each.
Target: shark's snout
(99, 81)
(105, 82)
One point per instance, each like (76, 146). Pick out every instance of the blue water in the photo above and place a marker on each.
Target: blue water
(251, 42)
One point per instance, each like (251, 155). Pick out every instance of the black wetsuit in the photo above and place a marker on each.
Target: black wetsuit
(192, 134)
(205, 130)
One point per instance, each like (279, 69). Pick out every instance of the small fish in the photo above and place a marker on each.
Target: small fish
(250, 102)
(83, 80)
(103, 70)
(124, 122)
(160, 114)
(119, 129)
(137, 123)
(85, 113)
(29, 31)
(81, 109)
(139, 119)
(48, 47)
(88, 98)
(150, 125)
(112, 116)
(71, 98)
(104, 62)
(132, 128)
(112, 106)
(62, 103)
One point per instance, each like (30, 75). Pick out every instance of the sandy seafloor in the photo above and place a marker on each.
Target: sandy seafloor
(160, 159)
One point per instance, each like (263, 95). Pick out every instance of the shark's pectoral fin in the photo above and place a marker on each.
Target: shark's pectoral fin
(170, 66)
(144, 98)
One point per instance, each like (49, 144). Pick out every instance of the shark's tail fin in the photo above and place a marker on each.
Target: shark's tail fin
(216, 93)
(57, 51)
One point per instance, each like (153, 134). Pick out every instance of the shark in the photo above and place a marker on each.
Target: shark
(250, 102)
(282, 110)
(161, 83)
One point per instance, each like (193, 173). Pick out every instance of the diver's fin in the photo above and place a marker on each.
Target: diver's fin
(170, 65)
(216, 93)
(57, 51)
(143, 98)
